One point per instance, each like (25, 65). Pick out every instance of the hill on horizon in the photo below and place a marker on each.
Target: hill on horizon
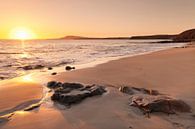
(186, 36)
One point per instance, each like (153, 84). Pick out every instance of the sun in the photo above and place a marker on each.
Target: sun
(22, 33)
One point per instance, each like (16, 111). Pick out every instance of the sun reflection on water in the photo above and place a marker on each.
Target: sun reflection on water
(27, 78)
(24, 55)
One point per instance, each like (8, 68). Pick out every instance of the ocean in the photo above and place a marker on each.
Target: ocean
(21, 57)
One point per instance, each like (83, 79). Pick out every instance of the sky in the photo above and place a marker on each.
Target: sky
(96, 18)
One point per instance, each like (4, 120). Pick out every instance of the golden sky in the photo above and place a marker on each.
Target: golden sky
(96, 18)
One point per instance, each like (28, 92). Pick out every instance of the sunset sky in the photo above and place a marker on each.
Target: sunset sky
(96, 18)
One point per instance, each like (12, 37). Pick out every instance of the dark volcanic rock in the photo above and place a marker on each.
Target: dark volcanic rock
(29, 67)
(54, 84)
(54, 73)
(96, 90)
(49, 68)
(72, 85)
(39, 67)
(2, 78)
(71, 93)
(62, 90)
(75, 96)
(68, 68)
(134, 90)
(51, 84)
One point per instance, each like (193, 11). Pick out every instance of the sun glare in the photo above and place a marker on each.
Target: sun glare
(27, 78)
(22, 33)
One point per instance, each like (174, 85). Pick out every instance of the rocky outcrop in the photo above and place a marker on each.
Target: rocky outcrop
(72, 93)
(152, 101)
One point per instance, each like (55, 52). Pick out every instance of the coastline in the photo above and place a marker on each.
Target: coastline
(37, 87)
(84, 53)
(157, 70)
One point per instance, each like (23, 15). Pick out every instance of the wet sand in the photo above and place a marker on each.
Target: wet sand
(169, 71)
(16, 94)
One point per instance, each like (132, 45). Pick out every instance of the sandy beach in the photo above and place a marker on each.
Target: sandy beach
(169, 71)
(17, 94)
(97, 64)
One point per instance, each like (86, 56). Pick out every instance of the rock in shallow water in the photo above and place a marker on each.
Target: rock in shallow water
(72, 93)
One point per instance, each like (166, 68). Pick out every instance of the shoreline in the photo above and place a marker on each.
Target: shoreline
(88, 64)
(61, 70)
(147, 71)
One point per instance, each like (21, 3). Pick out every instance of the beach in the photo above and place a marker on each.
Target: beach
(170, 71)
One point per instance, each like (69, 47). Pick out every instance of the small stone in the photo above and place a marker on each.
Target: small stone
(54, 73)
(39, 67)
(50, 68)
(68, 68)
(27, 67)
(2, 78)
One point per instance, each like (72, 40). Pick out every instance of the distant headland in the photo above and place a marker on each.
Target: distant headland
(71, 37)
(186, 36)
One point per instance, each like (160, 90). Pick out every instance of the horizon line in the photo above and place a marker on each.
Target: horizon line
(87, 37)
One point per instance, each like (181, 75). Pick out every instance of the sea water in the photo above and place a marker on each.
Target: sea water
(15, 56)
